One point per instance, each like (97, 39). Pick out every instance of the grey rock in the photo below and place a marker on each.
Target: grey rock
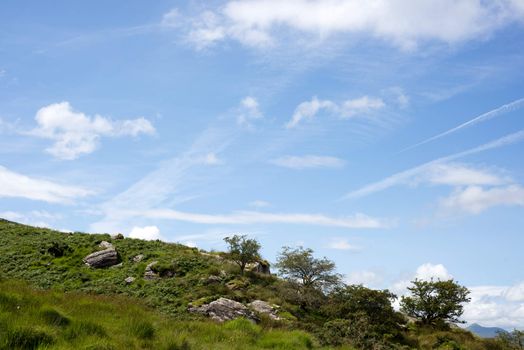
(213, 279)
(138, 258)
(129, 280)
(149, 274)
(224, 309)
(104, 258)
(260, 267)
(105, 245)
(263, 307)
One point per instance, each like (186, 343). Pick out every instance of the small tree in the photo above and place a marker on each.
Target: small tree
(435, 302)
(511, 340)
(347, 301)
(243, 251)
(299, 265)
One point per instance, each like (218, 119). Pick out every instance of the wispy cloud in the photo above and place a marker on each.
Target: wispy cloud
(249, 111)
(412, 174)
(308, 162)
(476, 199)
(254, 217)
(359, 107)
(75, 133)
(13, 184)
(342, 244)
(512, 106)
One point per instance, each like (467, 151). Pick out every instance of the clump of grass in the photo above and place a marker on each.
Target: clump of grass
(26, 338)
(83, 329)
(142, 329)
(54, 318)
(184, 345)
(244, 326)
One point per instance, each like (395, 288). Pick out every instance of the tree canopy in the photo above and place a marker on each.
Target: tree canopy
(243, 250)
(299, 265)
(435, 302)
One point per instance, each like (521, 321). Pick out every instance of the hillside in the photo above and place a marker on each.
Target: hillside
(159, 283)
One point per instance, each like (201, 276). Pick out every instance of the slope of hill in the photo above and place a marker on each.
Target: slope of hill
(484, 332)
(158, 283)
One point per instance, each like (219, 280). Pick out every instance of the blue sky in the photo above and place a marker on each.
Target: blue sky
(387, 136)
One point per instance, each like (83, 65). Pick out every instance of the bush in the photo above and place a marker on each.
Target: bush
(26, 338)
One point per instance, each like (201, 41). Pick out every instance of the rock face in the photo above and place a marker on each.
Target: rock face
(105, 245)
(261, 267)
(224, 309)
(263, 307)
(149, 274)
(104, 258)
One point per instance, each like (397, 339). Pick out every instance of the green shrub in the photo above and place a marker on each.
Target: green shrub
(26, 338)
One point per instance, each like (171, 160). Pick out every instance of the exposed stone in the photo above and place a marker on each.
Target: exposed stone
(262, 267)
(129, 280)
(105, 245)
(213, 279)
(149, 274)
(138, 258)
(117, 236)
(263, 307)
(104, 258)
(224, 309)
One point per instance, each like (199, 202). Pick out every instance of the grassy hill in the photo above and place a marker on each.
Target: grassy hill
(50, 298)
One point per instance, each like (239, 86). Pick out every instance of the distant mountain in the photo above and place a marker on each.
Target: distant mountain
(484, 332)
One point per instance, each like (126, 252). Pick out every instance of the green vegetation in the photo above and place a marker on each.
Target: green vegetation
(242, 251)
(435, 302)
(61, 303)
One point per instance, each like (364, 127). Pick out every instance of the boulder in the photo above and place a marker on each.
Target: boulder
(213, 279)
(262, 267)
(263, 307)
(224, 309)
(138, 258)
(104, 258)
(149, 274)
(105, 245)
(129, 280)
(117, 236)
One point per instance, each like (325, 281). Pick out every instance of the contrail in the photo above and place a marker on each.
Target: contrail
(402, 176)
(483, 117)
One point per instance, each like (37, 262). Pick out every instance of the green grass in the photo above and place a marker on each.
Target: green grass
(36, 319)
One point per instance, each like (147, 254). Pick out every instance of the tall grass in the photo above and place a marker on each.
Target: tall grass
(35, 319)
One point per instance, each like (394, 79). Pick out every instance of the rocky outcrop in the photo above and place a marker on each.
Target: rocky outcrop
(265, 308)
(149, 274)
(104, 258)
(105, 245)
(262, 267)
(224, 309)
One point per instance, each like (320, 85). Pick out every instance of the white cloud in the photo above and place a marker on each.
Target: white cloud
(475, 199)
(358, 107)
(308, 161)
(342, 244)
(75, 133)
(211, 159)
(309, 109)
(249, 111)
(436, 271)
(494, 306)
(403, 23)
(33, 218)
(13, 184)
(259, 204)
(515, 293)
(366, 278)
(251, 217)
(148, 233)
